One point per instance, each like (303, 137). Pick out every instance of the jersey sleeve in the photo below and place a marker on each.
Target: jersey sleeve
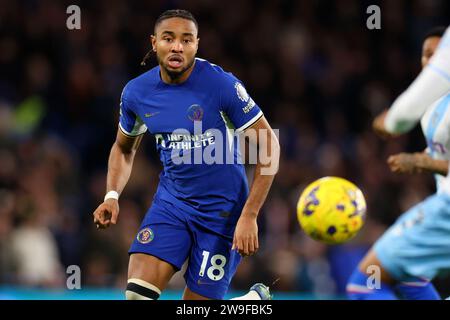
(440, 62)
(129, 122)
(237, 105)
(431, 84)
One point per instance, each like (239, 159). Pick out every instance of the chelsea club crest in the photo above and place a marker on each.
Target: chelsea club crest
(195, 113)
(145, 236)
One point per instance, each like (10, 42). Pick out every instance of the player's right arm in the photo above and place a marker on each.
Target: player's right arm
(120, 164)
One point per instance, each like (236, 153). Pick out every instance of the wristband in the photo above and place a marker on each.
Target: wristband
(111, 195)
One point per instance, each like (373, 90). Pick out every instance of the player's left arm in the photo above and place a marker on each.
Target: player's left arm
(265, 140)
(417, 163)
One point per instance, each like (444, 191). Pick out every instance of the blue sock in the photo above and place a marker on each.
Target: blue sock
(417, 289)
(357, 289)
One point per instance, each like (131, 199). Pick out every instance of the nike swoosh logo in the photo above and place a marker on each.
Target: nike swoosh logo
(207, 283)
(148, 115)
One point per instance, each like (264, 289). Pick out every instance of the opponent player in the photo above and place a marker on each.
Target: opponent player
(202, 211)
(415, 248)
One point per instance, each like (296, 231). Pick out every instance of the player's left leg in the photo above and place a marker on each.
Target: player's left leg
(258, 291)
(212, 263)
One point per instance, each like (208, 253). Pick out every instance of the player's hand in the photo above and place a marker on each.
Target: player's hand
(245, 239)
(407, 162)
(378, 126)
(106, 214)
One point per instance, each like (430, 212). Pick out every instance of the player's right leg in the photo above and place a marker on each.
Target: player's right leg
(147, 277)
(159, 250)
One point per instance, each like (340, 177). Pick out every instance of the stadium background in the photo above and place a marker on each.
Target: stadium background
(315, 69)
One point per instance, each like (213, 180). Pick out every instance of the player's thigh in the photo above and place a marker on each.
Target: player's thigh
(212, 264)
(160, 247)
(150, 269)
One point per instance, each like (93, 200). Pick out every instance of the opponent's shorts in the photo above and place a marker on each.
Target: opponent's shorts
(418, 244)
(174, 235)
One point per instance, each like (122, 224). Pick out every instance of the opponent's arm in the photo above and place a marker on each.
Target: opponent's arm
(417, 163)
(407, 110)
(432, 84)
(120, 164)
(246, 234)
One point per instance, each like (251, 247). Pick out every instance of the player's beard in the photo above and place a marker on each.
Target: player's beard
(175, 74)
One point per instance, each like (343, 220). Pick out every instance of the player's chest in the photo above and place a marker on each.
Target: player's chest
(171, 111)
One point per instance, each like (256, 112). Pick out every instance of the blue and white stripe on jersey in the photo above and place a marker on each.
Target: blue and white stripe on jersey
(130, 123)
(436, 128)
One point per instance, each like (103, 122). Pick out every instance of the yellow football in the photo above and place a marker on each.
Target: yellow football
(331, 210)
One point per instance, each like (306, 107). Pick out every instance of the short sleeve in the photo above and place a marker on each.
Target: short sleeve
(129, 123)
(440, 62)
(238, 106)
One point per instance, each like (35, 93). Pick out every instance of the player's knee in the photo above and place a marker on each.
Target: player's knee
(141, 290)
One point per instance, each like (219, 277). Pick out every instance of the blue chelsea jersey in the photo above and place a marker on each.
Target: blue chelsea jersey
(191, 122)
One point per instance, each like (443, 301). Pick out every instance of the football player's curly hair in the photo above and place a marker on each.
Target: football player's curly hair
(174, 13)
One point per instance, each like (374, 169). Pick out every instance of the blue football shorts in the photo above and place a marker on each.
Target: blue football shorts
(418, 244)
(174, 235)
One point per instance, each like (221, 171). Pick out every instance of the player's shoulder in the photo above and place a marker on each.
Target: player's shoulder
(141, 84)
(215, 72)
(445, 42)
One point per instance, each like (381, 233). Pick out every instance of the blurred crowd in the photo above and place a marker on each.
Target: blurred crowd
(317, 72)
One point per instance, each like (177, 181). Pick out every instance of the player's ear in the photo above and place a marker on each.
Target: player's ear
(198, 41)
(153, 41)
